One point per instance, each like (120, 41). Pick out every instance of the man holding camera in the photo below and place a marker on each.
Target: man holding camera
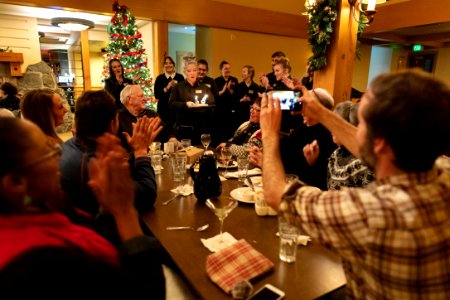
(393, 236)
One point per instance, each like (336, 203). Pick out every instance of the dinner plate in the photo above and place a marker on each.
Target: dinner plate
(232, 166)
(240, 194)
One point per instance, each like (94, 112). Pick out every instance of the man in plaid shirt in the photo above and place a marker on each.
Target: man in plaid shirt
(394, 235)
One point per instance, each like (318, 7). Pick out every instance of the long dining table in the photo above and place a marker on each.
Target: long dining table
(317, 270)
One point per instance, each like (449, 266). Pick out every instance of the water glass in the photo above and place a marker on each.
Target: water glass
(242, 163)
(155, 146)
(185, 143)
(288, 240)
(156, 159)
(178, 163)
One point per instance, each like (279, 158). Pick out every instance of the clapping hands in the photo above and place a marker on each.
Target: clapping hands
(145, 130)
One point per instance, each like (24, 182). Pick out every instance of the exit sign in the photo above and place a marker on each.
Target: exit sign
(417, 48)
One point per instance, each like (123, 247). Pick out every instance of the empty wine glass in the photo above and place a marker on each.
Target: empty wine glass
(206, 140)
(221, 206)
(225, 157)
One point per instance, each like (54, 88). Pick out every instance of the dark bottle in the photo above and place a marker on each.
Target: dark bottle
(207, 183)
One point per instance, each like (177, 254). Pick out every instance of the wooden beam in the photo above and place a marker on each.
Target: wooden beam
(431, 37)
(409, 14)
(336, 78)
(199, 12)
(385, 37)
(85, 59)
(160, 44)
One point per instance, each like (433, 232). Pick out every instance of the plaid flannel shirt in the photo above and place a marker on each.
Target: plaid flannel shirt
(393, 236)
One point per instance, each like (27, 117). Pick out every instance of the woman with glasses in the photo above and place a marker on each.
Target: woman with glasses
(248, 134)
(41, 246)
(46, 109)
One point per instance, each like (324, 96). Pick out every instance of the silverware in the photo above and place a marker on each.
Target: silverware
(250, 183)
(201, 228)
(171, 199)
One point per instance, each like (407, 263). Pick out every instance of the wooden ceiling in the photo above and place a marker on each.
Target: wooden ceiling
(411, 22)
(402, 22)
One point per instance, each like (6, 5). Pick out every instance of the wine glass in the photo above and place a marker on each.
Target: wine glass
(221, 206)
(206, 140)
(225, 157)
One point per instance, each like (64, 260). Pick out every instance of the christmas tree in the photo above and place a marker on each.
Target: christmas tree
(126, 44)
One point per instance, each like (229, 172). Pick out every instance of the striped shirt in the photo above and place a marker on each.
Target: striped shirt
(393, 236)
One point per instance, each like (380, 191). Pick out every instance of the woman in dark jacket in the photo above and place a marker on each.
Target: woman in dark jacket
(116, 81)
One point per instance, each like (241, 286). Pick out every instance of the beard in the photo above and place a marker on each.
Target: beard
(366, 153)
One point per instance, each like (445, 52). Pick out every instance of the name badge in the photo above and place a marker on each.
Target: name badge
(198, 91)
(250, 92)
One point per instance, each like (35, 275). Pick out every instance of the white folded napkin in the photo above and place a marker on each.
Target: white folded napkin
(184, 190)
(301, 239)
(213, 244)
(251, 172)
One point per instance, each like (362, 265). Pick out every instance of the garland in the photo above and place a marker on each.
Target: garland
(321, 16)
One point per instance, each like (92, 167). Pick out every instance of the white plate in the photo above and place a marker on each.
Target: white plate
(238, 194)
(232, 166)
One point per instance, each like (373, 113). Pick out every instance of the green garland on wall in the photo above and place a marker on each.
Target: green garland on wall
(321, 15)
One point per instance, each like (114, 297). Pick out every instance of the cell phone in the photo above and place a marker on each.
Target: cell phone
(289, 100)
(268, 292)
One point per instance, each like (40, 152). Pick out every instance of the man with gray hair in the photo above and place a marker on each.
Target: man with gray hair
(306, 150)
(134, 108)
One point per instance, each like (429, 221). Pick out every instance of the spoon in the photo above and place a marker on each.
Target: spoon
(171, 199)
(201, 228)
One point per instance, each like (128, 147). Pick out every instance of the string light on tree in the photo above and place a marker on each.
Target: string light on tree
(125, 44)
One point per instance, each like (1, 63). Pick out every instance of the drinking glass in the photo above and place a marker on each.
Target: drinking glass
(221, 206)
(242, 163)
(225, 157)
(155, 146)
(185, 143)
(156, 158)
(206, 140)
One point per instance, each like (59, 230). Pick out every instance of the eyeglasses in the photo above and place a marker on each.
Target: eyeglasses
(57, 150)
(255, 109)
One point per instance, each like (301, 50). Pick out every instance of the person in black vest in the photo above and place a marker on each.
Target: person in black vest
(193, 119)
(164, 84)
(227, 102)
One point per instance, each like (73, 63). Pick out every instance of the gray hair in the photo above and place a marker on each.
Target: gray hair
(348, 111)
(324, 97)
(126, 92)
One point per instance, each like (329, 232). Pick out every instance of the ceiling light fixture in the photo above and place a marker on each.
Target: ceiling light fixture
(366, 8)
(72, 24)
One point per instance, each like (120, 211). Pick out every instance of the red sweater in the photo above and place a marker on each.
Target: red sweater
(20, 233)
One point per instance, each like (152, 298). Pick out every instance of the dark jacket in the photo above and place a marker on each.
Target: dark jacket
(74, 177)
(295, 162)
(163, 97)
(114, 88)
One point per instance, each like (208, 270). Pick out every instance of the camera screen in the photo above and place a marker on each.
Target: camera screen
(288, 99)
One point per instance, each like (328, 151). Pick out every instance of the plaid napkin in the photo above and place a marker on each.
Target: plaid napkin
(235, 263)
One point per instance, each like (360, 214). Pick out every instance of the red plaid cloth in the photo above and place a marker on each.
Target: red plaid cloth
(235, 263)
